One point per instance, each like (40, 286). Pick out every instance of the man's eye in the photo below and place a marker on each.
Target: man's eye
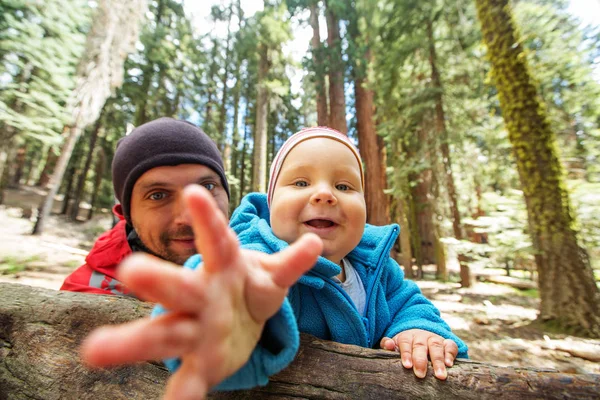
(301, 183)
(157, 196)
(342, 187)
(209, 186)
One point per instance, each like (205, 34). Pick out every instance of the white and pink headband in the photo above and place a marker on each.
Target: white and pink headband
(305, 134)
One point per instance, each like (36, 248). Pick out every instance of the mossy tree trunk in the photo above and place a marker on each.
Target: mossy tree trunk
(569, 296)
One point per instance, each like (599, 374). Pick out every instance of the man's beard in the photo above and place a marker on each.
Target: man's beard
(165, 238)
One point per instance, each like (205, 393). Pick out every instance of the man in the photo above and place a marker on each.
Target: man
(150, 169)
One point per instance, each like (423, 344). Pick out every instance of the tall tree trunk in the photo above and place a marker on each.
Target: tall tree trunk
(317, 52)
(56, 179)
(112, 36)
(223, 109)
(98, 174)
(259, 164)
(442, 134)
(372, 151)
(337, 101)
(32, 162)
(235, 141)
(243, 165)
(49, 165)
(568, 291)
(7, 154)
(141, 112)
(214, 67)
(69, 179)
(84, 172)
(19, 165)
(421, 196)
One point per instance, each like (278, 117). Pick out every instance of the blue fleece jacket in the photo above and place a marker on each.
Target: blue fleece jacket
(322, 308)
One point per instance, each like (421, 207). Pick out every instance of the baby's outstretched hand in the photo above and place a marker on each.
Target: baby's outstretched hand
(217, 312)
(415, 344)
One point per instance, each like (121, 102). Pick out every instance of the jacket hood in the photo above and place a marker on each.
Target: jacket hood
(111, 247)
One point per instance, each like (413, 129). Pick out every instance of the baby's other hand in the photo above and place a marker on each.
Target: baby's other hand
(415, 344)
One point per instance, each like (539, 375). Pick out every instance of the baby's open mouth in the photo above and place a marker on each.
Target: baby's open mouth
(320, 223)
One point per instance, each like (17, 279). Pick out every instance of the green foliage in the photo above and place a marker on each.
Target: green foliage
(40, 46)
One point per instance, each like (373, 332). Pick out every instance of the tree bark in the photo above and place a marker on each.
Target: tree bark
(244, 154)
(337, 101)
(208, 117)
(319, 70)
(141, 112)
(46, 173)
(222, 131)
(56, 179)
(69, 178)
(442, 133)
(569, 295)
(19, 165)
(98, 174)
(259, 164)
(112, 36)
(7, 153)
(84, 172)
(372, 150)
(41, 330)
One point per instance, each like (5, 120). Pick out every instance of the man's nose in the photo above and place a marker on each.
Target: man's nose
(182, 214)
(323, 195)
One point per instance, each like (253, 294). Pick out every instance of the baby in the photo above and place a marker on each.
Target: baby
(354, 293)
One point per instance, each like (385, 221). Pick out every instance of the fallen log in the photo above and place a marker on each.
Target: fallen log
(40, 331)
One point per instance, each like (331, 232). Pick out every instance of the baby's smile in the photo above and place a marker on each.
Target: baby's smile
(320, 223)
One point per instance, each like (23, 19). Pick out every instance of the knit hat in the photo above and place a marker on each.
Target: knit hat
(162, 142)
(303, 135)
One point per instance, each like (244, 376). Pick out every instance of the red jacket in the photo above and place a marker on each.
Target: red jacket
(97, 275)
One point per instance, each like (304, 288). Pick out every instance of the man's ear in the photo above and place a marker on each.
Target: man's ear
(118, 211)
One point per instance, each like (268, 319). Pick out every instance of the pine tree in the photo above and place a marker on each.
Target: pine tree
(569, 296)
(111, 38)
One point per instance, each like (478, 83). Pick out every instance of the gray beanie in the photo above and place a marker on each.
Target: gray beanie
(162, 142)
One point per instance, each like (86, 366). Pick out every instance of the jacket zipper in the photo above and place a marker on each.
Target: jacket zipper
(378, 270)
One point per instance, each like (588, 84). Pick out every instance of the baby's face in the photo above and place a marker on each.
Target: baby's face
(319, 190)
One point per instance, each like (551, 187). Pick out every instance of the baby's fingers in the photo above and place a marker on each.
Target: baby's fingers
(162, 282)
(214, 239)
(287, 266)
(419, 356)
(388, 344)
(436, 353)
(405, 345)
(142, 340)
(188, 383)
(450, 351)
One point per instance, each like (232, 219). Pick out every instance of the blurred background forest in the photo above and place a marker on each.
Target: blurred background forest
(412, 82)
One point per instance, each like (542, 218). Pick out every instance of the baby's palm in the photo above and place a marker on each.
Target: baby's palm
(217, 311)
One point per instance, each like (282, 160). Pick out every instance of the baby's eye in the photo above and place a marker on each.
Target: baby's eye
(157, 196)
(209, 186)
(301, 184)
(342, 187)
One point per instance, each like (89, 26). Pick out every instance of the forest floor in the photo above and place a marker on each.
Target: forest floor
(496, 321)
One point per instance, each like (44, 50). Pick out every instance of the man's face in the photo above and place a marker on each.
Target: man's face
(319, 190)
(159, 215)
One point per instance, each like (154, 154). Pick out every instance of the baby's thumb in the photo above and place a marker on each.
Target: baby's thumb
(289, 265)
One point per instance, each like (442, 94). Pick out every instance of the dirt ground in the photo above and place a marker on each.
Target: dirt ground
(496, 321)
